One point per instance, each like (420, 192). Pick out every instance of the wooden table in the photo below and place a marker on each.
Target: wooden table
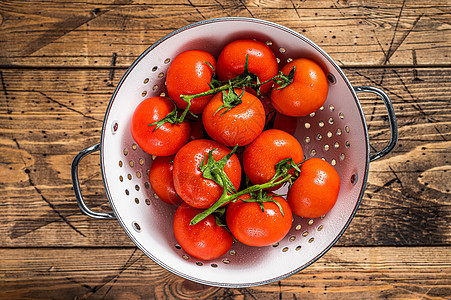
(59, 64)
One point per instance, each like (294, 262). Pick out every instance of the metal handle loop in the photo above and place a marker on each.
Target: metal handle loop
(74, 171)
(391, 119)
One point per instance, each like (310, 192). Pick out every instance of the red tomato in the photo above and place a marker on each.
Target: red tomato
(262, 61)
(168, 138)
(285, 123)
(316, 190)
(206, 240)
(160, 177)
(306, 93)
(240, 125)
(189, 183)
(189, 74)
(261, 156)
(254, 227)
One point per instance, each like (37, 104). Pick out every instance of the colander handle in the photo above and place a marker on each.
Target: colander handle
(74, 171)
(391, 119)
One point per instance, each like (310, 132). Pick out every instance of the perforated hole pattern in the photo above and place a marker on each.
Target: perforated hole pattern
(325, 126)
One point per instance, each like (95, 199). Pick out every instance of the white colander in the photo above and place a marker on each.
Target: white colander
(337, 132)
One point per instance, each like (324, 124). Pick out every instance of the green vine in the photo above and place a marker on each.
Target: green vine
(281, 175)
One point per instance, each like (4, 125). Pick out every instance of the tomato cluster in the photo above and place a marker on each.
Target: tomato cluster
(239, 101)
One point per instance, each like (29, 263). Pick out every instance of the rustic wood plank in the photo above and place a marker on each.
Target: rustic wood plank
(100, 33)
(48, 115)
(364, 273)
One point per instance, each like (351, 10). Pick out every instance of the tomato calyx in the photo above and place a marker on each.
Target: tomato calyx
(172, 118)
(246, 79)
(286, 165)
(281, 176)
(214, 170)
(261, 197)
(283, 80)
(241, 81)
(230, 100)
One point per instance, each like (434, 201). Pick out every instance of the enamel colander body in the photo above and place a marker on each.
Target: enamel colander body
(337, 132)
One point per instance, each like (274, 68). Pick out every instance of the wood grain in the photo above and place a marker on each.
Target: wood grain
(364, 273)
(48, 115)
(104, 33)
(59, 64)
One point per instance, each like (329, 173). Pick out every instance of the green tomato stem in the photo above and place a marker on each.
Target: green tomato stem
(226, 86)
(227, 198)
(241, 81)
(183, 115)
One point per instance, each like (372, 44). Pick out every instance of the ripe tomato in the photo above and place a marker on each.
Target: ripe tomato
(316, 190)
(254, 227)
(239, 125)
(261, 156)
(285, 123)
(160, 178)
(189, 74)
(261, 62)
(306, 93)
(168, 138)
(189, 182)
(206, 240)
